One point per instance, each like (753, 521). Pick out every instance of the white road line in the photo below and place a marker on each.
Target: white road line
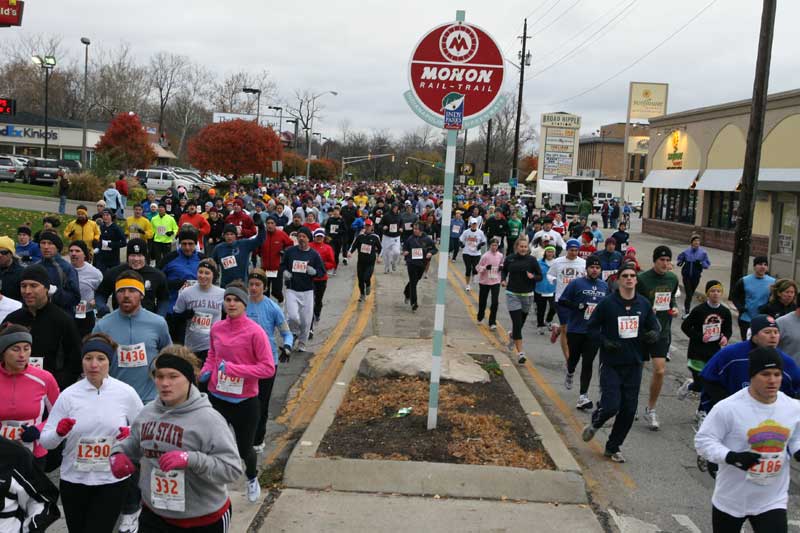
(628, 524)
(686, 522)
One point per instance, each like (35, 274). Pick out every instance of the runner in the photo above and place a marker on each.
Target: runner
(200, 463)
(180, 268)
(369, 246)
(519, 277)
(544, 295)
(472, 240)
(88, 417)
(782, 299)
(709, 327)
(63, 278)
(112, 238)
(563, 270)
(752, 436)
(238, 356)
(89, 278)
(165, 228)
(623, 322)
(692, 261)
(27, 392)
(321, 280)
(269, 316)
(789, 326)
(82, 228)
(489, 272)
(417, 250)
(457, 227)
(622, 237)
(300, 265)
(27, 251)
(201, 306)
(610, 258)
(10, 270)
(233, 255)
(751, 292)
(275, 242)
(581, 297)
(390, 242)
(334, 229)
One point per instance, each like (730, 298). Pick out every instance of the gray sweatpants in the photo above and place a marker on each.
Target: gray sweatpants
(300, 313)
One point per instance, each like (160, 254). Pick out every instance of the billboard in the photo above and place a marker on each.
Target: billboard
(639, 145)
(559, 136)
(647, 100)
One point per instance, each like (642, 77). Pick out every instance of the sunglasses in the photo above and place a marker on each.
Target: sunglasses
(5, 252)
(628, 276)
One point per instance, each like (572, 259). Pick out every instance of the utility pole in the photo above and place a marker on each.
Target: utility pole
(464, 153)
(522, 60)
(486, 157)
(752, 154)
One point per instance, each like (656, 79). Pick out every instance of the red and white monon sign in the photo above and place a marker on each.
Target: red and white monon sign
(456, 58)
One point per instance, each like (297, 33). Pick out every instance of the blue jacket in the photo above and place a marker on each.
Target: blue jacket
(609, 261)
(115, 237)
(544, 286)
(604, 324)
(65, 279)
(269, 316)
(142, 327)
(29, 254)
(730, 368)
(457, 228)
(301, 281)
(692, 262)
(233, 259)
(179, 268)
(582, 291)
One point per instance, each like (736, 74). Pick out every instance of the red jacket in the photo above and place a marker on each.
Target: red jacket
(326, 253)
(122, 186)
(242, 220)
(270, 251)
(199, 223)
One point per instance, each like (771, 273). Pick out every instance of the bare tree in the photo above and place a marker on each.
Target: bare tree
(117, 83)
(228, 95)
(305, 108)
(187, 112)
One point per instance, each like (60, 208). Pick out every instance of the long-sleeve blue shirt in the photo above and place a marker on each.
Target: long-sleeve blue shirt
(582, 291)
(179, 269)
(297, 261)
(608, 321)
(269, 316)
(234, 258)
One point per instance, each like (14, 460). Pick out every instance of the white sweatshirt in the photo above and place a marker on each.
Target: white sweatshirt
(98, 414)
(741, 423)
(472, 241)
(564, 270)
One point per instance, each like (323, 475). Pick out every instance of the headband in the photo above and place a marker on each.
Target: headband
(715, 286)
(98, 345)
(168, 360)
(129, 283)
(550, 248)
(14, 338)
(83, 212)
(258, 276)
(238, 293)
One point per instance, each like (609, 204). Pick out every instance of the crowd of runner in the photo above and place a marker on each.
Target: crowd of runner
(146, 378)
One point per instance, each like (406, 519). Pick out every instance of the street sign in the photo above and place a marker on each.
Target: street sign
(471, 182)
(277, 167)
(456, 76)
(462, 179)
(486, 178)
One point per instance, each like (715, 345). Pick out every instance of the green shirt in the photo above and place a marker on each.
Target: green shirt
(659, 289)
(514, 228)
(162, 226)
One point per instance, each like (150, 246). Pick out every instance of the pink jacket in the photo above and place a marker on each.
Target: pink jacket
(492, 276)
(24, 398)
(245, 348)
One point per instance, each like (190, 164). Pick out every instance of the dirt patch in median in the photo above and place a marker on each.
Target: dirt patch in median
(478, 424)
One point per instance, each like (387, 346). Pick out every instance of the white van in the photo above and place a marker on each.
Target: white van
(599, 198)
(161, 180)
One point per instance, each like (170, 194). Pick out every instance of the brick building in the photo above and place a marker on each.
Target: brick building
(600, 155)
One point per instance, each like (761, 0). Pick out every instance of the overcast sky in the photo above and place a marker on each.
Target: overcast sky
(361, 48)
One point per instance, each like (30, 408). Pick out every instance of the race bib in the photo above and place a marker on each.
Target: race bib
(168, 490)
(392, 228)
(272, 273)
(607, 274)
(713, 331)
(566, 280)
(768, 470)
(299, 267)
(80, 309)
(12, 430)
(201, 321)
(587, 313)
(36, 362)
(407, 226)
(661, 301)
(134, 235)
(131, 355)
(161, 230)
(456, 230)
(416, 253)
(366, 248)
(92, 454)
(628, 327)
(377, 220)
(334, 229)
(229, 384)
(238, 231)
(493, 275)
(105, 245)
(229, 261)
(623, 246)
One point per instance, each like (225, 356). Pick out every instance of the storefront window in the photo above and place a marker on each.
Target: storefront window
(722, 208)
(787, 224)
(6, 149)
(30, 151)
(675, 205)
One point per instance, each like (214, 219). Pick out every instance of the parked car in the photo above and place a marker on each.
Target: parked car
(8, 169)
(159, 179)
(38, 170)
(70, 165)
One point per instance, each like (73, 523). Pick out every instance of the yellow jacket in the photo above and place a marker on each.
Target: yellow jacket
(145, 229)
(88, 232)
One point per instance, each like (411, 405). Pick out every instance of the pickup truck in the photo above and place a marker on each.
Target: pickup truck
(41, 170)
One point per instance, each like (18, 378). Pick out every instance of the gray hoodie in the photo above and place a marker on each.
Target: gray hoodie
(193, 426)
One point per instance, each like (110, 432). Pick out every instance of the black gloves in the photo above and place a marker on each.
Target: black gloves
(743, 460)
(30, 433)
(611, 345)
(170, 233)
(581, 306)
(650, 337)
(286, 352)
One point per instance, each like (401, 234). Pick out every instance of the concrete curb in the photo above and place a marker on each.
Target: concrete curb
(305, 470)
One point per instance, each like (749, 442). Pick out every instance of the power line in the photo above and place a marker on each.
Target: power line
(638, 60)
(542, 30)
(616, 19)
(545, 13)
(513, 40)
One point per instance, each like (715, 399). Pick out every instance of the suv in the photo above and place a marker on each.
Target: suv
(38, 169)
(158, 179)
(599, 198)
(71, 165)
(8, 169)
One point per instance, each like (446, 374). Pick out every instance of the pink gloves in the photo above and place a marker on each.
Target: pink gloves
(174, 460)
(65, 426)
(124, 433)
(121, 465)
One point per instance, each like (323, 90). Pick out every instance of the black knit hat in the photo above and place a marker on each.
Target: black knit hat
(24, 229)
(36, 273)
(229, 228)
(661, 251)
(53, 237)
(80, 244)
(187, 234)
(763, 358)
(592, 260)
(137, 246)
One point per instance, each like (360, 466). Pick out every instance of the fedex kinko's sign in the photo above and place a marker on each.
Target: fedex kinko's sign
(455, 75)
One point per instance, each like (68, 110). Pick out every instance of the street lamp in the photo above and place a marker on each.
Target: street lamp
(312, 107)
(46, 63)
(293, 121)
(250, 90)
(280, 119)
(85, 41)
(325, 140)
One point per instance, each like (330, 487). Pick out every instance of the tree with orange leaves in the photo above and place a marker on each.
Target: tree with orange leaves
(235, 147)
(125, 142)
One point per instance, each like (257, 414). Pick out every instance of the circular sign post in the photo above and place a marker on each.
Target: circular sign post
(455, 76)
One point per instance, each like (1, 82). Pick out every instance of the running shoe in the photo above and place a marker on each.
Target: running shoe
(542, 330)
(453, 260)
(588, 432)
(310, 333)
(468, 288)
(425, 276)
(683, 390)
(333, 272)
(361, 298)
(684, 316)
(493, 327)
(568, 380)
(368, 289)
(407, 300)
(651, 419)
(394, 267)
(259, 448)
(301, 347)
(129, 523)
(555, 331)
(584, 403)
(344, 261)
(510, 345)
(617, 456)
(414, 307)
(521, 358)
(253, 490)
